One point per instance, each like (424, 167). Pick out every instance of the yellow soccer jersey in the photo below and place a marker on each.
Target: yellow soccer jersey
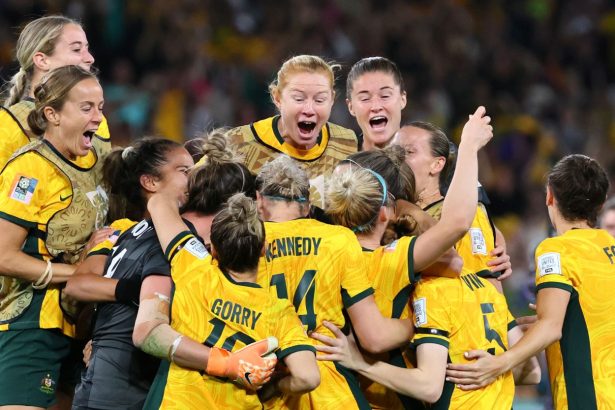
(477, 244)
(390, 269)
(211, 307)
(582, 363)
(464, 314)
(261, 142)
(32, 190)
(120, 226)
(320, 269)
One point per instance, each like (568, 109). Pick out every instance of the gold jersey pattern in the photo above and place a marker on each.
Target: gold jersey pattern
(319, 268)
(209, 306)
(582, 363)
(461, 314)
(390, 269)
(260, 142)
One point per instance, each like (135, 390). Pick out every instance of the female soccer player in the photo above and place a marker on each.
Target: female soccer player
(455, 309)
(574, 281)
(217, 303)
(119, 375)
(376, 96)
(430, 155)
(44, 44)
(303, 93)
(319, 268)
(49, 206)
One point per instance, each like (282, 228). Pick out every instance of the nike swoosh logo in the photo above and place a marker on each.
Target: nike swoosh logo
(64, 198)
(247, 377)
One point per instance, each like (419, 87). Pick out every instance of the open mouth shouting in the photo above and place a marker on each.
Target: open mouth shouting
(87, 139)
(306, 129)
(378, 123)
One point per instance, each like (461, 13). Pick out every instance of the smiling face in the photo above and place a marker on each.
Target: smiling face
(72, 48)
(72, 127)
(305, 105)
(376, 101)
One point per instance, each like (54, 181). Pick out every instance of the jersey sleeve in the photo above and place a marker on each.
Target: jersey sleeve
(25, 190)
(104, 248)
(290, 333)
(184, 253)
(432, 311)
(355, 282)
(551, 268)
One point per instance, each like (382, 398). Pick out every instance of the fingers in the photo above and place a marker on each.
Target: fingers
(532, 306)
(497, 251)
(505, 273)
(324, 339)
(475, 354)
(480, 111)
(329, 358)
(327, 349)
(463, 368)
(336, 331)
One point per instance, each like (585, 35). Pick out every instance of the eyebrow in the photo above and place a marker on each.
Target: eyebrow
(386, 87)
(78, 43)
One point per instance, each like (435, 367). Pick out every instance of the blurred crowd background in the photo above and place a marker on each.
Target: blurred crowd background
(544, 69)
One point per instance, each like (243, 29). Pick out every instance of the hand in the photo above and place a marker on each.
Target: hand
(250, 367)
(87, 353)
(476, 375)
(524, 322)
(96, 238)
(500, 262)
(478, 130)
(341, 349)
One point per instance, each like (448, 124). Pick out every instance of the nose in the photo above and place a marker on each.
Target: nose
(308, 108)
(376, 104)
(87, 57)
(97, 116)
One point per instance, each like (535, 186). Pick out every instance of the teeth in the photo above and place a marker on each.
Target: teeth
(378, 118)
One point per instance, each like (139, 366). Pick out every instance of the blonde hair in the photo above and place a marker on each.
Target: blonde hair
(238, 235)
(218, 175)
(283, 179)
(354, 198)
(40, 35)
(301, 63)
(53, 92)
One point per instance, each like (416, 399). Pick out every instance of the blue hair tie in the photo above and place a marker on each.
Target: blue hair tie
(365, 226)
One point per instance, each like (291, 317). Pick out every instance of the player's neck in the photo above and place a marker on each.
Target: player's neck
(562, 226)
(429, 195)
(371, 240)
(248, 276)
(280, 211)
(202, 224)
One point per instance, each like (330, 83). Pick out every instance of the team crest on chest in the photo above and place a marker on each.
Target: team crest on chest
(48, 385)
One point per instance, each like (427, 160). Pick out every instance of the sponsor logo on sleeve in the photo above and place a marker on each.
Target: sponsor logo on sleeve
(195, 247)
(549, 264)
(478, 242)
(420, 312)
(23, 189)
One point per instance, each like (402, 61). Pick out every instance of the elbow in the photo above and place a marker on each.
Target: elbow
(73, 289)
(376, 345)
(307, 381)
(535, 376)
(140, 335)
(432, 393)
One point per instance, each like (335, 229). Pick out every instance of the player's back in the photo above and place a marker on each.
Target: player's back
(465, 313)
(319, 269)
(582, 363)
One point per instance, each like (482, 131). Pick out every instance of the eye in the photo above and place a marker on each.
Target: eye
(86, 108)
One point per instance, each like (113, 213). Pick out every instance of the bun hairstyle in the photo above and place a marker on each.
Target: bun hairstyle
(122, 172)
(219, 175)
(390, 164)
(580, 185)
(238, 235)
(371, 65)
(53, 92)
(301, 64)
(354, 198)
(40, 35)
(440, 146)
(283, 179)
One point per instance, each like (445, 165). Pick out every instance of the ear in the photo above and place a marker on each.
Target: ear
(383, 214)
(550, 199)
(350, 109)
(51, 116)
(276, 99)
(41, 61)
(437, 165)
(149, 183)
(403, 100)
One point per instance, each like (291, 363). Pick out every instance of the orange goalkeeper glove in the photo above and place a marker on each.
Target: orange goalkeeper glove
(251, 367)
